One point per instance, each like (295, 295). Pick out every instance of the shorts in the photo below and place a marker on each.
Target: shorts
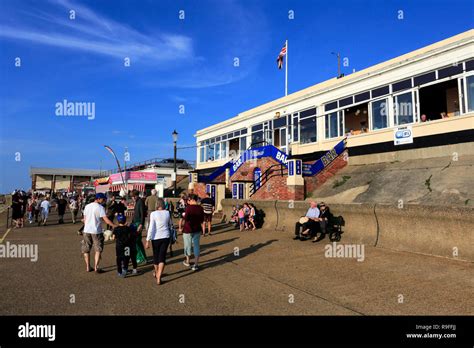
(160, 247)
(191, 240)
(92, 240)
(208, 217)
(241, 220)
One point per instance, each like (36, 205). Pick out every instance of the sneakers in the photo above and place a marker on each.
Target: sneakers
(186, 264)
(122, 275)
(195, 268)
(134, 271)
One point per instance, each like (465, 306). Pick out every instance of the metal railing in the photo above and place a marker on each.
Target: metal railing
(271, 171)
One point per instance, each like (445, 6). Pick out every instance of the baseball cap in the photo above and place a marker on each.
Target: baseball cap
(121, 218)
(100, 195)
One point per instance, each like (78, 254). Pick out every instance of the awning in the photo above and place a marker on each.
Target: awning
(119, 187)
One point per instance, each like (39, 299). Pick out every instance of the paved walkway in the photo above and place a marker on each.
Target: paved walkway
(272, 274)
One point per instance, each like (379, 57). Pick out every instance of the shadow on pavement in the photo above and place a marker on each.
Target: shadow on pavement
(221, 260)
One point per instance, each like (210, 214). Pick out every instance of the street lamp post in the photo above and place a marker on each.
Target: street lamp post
(175, 140)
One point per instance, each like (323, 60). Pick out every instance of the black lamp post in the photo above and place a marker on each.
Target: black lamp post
(175, 140)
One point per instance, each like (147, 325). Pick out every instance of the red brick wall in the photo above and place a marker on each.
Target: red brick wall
(245, 172)
(313, 182)
(277, 189)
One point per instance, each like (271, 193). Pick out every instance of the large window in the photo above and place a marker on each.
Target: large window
(308, 130)
(202, 157)
(379, 114)
(356, 119)
(295, 127)
(224, 149)
(333, 124)
(438, 100)
(470, 92)
(218, 151)
(210, 152)
(403, 104)
(243, 143)
(257, 139)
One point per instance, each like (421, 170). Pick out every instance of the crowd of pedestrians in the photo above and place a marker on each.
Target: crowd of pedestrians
(36, 207)
(151, 216)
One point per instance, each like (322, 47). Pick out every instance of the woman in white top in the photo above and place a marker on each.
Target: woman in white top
(159, 233)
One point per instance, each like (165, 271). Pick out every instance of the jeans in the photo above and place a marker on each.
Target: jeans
(191, 239)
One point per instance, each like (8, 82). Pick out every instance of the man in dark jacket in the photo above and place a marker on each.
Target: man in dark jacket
(139, 215)
(324, 218)
(61, 208)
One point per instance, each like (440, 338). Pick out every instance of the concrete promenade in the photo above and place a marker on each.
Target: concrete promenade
(271, 275)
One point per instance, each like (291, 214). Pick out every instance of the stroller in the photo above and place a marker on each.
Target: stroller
(334, 228)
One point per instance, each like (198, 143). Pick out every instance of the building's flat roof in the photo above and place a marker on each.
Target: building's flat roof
(63, 171)
(348, 79)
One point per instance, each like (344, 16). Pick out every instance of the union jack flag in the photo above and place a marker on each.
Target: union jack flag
(280, 56)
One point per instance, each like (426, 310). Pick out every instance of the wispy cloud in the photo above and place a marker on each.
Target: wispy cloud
(178, 57)
(98, 34)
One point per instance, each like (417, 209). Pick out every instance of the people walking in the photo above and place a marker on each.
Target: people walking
(193, 219)
(45, 208)
(207, 205)
(139, 223)
(121, 235)
(30, 209)
(150, 201)
(93, 237)
(181, 207)
(61, 205)
(159, 229)
(74, 208)
(121, 206)
(38, 200)
(16, 210)
(24, 204)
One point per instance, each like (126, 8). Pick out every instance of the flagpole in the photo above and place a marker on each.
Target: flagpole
(286, 69)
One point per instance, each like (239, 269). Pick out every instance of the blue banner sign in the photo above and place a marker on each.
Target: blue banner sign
(291, 169)
(248, 155)
(260, 152)
(323, 162)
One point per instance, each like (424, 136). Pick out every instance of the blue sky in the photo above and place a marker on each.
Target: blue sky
(177, 62)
